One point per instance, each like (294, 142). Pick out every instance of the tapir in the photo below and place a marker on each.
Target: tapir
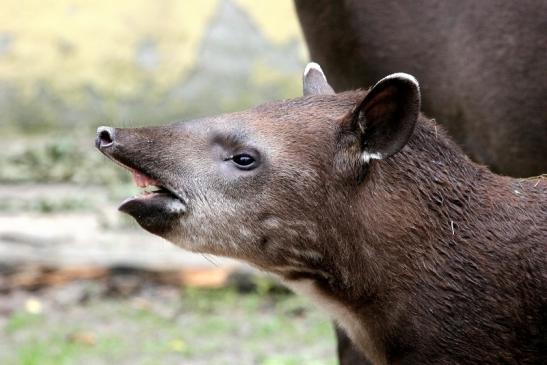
(482, 65)
(365, 205)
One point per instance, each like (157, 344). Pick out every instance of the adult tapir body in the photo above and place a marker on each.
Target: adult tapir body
(361, 203)
(482, 65)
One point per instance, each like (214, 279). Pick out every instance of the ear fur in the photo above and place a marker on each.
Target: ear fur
(315, 81)
(386, 117)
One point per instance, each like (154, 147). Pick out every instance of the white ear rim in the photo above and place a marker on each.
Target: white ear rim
(314, 66)
(366, 156)
(400, 75)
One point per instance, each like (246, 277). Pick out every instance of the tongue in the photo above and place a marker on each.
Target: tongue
(142, 181)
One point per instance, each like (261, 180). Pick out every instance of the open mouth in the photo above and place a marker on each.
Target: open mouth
(159, 207)
(155, 210)
(156, 200)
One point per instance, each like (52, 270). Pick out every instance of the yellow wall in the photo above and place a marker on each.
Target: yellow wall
(70, 43)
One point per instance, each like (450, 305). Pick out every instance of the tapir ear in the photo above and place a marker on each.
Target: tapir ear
(386, 117)
(315, 81)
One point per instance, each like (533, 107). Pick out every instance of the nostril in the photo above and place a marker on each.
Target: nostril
(105, 137)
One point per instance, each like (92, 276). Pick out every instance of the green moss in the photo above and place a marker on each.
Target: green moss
(21, 320)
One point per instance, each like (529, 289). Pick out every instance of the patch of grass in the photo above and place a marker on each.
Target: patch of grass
(200, 326)
(276, 359)
(21, 320)
(58, 349)
(52, 351)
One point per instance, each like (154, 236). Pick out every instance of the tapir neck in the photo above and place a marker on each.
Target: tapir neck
(419, 218)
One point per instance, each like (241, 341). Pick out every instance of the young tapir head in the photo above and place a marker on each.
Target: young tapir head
(267, 185)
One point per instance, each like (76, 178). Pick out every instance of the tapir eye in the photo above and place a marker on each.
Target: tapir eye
(244, 161)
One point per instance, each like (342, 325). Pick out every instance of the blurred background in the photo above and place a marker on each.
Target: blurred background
(79, 282)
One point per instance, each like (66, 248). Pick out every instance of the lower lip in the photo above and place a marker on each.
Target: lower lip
(169, 204)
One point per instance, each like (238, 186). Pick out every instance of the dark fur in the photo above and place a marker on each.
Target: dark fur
(460, 262)
(481, 63)
(442, 261)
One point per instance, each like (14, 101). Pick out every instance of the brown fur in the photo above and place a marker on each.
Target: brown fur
(481, 79)
(481, 63)
(424, 257)
(457, 270)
